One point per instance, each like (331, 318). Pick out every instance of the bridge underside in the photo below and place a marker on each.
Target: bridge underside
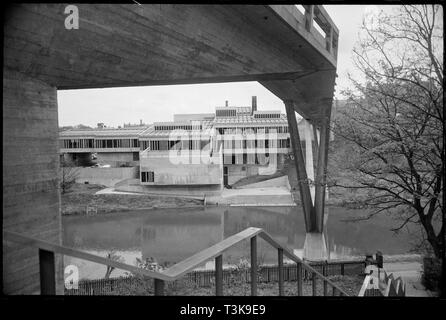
(137, 45)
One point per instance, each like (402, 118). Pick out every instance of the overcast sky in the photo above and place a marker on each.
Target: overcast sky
(116, 106)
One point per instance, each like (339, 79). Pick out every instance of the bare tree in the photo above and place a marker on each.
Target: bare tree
(393, 129)
(112, 255)
(69, 173)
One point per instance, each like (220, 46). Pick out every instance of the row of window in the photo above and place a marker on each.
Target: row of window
(194, 144)
(247, 158)
(267, 115)
(252, 144)
(253, 130)
(147, 176)
(76, 143)
(117, 143)
(226, 113)
(178, 127)
(101, 143)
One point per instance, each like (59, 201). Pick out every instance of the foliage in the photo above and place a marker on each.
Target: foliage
(431, 277)
(392, 127)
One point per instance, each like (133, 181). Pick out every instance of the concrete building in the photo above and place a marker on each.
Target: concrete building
(217, 148)
(116, 147)
(180, 153)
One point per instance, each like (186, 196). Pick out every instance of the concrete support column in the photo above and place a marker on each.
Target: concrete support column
(31, 197)
(322, 168)
(309, 165)
(302, 178)
(315, 246)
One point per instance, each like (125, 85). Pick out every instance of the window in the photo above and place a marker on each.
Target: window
(147, 176)
(135, 156)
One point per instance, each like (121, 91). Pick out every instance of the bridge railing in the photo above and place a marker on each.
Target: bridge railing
(48, 250)
(313, 15)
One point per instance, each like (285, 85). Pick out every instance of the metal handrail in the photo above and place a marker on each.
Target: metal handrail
(176, 271)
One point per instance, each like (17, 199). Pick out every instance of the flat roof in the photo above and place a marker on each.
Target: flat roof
(207, 127)
(106, 132)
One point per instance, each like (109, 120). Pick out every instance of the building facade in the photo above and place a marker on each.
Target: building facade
(195, 149)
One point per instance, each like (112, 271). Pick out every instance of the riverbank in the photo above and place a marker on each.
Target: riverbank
(81, 196)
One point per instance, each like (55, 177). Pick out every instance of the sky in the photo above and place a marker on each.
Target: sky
(116, 106)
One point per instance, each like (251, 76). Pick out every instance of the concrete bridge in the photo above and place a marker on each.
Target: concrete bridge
(139, 45)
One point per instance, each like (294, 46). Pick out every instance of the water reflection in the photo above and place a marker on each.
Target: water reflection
(171, 235)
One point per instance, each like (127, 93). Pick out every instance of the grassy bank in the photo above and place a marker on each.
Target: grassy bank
(76, 200)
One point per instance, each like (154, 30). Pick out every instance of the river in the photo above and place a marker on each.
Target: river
(171, 235)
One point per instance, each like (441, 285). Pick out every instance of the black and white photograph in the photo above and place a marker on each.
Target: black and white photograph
(223, 150)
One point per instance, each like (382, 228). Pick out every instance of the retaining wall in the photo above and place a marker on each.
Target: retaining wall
(105, 176)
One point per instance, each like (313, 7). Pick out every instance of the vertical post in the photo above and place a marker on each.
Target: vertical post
(47, 272)
(280, 257)
(342, 269)
(309, 15)
(299, 279)
(324, 272)
(316, 141)
(302, 178)
(314, 284)
(334, 44)
(159, 287)
(329, 39)
(334, 291)
(319, 202)
(254, 266)
(219, 275)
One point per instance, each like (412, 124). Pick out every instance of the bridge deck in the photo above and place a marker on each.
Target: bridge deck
(134, 45)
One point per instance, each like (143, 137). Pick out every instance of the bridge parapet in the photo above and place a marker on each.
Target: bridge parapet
(305, 24)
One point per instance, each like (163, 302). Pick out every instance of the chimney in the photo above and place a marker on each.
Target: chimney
(226, 103)
(254, 104)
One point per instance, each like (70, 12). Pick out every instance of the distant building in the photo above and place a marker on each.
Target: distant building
(195, 149)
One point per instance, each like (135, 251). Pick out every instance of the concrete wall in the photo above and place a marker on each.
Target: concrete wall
(31, 197)
(168, 173)
(235, 172)
(105, 176)
(276, 182)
